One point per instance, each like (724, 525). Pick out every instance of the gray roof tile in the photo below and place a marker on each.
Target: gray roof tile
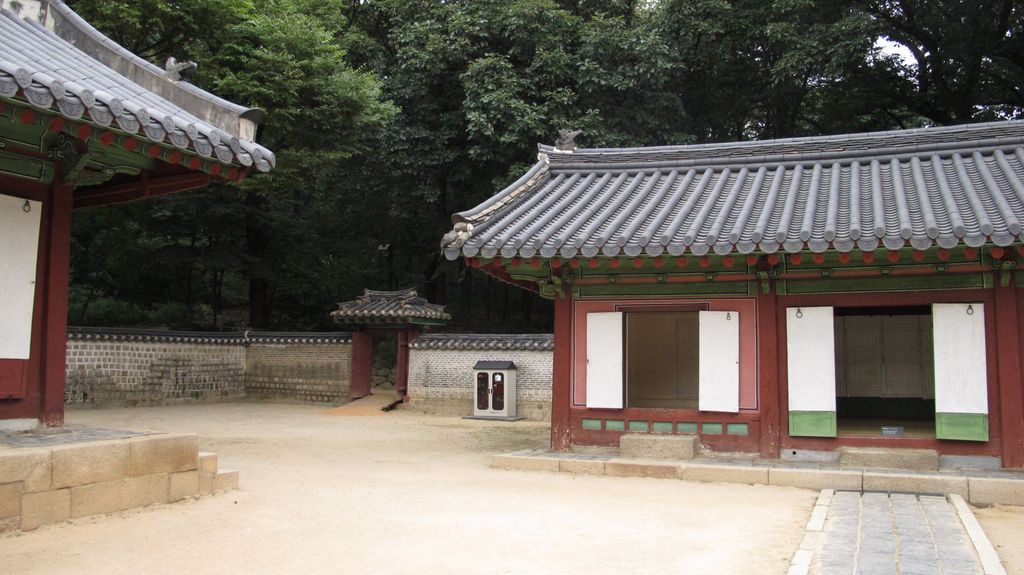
(485, 341)
(919, 188)
(51, 70)
(388, 307)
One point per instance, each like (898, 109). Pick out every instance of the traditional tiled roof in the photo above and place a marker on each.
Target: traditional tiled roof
(924, 187)
(376, 306)
(88, 78)
(203, 337)
(485, 341)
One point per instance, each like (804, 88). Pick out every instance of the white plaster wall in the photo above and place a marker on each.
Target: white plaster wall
(442, 380)
(19, 246)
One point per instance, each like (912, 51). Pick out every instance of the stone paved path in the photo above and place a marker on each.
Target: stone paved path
(45, 437)
(883, 534)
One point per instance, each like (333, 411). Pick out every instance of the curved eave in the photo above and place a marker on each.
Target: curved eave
(961, 186)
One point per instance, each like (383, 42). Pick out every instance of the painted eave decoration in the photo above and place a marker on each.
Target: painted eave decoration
(64, 77)
(914, 189)
(390, 307)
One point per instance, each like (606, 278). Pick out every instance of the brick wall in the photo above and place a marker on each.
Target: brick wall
(441, 371)
(299, 372)
(143, 367)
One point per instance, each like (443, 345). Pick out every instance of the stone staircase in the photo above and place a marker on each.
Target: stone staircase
(645, 446)
(887, 458)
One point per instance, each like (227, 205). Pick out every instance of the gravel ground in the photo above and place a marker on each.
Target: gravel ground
(409, 493)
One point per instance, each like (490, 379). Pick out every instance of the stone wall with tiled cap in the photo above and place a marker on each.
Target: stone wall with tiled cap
(441, 371)
(108, 366)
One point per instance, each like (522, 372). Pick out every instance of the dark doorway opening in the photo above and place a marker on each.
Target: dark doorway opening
(885, 371)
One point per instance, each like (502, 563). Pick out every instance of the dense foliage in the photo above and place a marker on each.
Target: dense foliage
(389, 115)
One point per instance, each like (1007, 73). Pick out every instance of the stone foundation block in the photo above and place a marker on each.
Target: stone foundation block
(642, 468)
(44, 508)
(724, 474)
(11, 524)
(32, 467)
(208, 462)
(205, 483)
(97, 498)
(225, 480)
(183, 485)
(524, 463)
(910, 483)
(163, 454)
(644, 446)
(886, 458)
(581, 466)
(989, 490)
(89, 463)
(10, 499)
(146, 490)
(815, 478)
(114, 496)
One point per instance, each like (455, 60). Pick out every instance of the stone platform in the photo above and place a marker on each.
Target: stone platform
(978, 486)
(49, 476)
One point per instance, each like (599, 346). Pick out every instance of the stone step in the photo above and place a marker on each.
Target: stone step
(207, 462)
(644, 446)
(889, 458)
(225, 480)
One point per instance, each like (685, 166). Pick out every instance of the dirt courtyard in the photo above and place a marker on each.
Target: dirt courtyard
(409, 493)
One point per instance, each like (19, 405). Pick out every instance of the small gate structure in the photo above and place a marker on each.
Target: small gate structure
(401, 313)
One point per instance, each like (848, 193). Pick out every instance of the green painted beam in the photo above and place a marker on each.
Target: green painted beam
(812, 424)
(938, 281)
(962, 426)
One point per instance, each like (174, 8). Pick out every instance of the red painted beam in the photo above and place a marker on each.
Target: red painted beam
(768, 372)
(140, 189)
(402, 366)
(561, 375)
(1008, 360)
(362, 360)
(58, 267)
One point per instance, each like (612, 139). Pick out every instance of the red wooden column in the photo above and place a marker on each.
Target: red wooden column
(768, 371)
(561, 375)
(402, 365)
(55, 306)
(362, 356)
(1008, 360)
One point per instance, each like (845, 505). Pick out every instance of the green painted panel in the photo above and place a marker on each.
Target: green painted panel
(592, 424)
(812, 423)
(686, 428)
(737, 429)
(638, 426)
(961, 426)
(614, 425)
(711, 428)
(884, 283)
(24, 167)
(662, 427)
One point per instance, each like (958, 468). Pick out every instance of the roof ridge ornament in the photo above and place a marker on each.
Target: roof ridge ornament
(566, 141)
(176, 71)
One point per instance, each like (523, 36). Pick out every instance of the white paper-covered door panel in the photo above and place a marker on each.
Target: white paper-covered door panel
(811, 368)
(604, 360)
(961, 373)
(719, 361)
(19, 245)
